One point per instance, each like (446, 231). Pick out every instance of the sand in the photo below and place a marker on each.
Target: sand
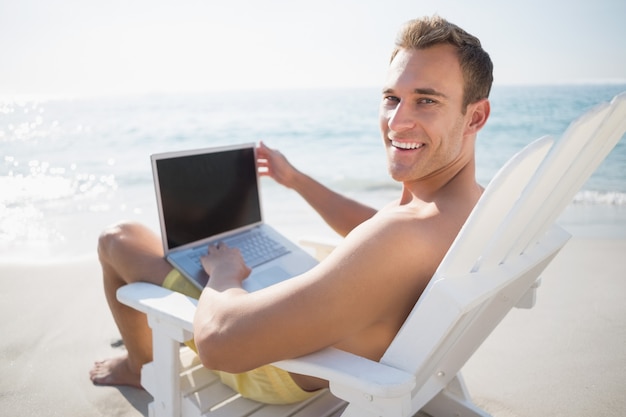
(55, 322)
(565, 357)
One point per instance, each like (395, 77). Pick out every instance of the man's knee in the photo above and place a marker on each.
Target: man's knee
(113, 237)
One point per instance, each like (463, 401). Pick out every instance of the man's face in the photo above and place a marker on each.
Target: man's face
(421, 117)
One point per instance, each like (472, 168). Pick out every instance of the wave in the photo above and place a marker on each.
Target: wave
(610, 198)
(390, 190)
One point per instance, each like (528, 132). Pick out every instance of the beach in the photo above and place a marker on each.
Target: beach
(564, 357)
(71, 167)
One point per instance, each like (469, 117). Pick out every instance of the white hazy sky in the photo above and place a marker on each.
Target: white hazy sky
(85, 47)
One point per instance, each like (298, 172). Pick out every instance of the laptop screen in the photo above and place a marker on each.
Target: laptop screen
(207, 194)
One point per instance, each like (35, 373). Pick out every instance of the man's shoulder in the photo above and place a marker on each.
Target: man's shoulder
(398, 226)
(422, 217)
(404, 248)
(428, 229)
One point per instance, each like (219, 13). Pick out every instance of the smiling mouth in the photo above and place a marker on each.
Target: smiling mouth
(406, 145)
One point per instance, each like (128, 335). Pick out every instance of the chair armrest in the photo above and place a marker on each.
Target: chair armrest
(160, 304)
(176, 309)
(344, 369)
(322, 246)
(352, 378)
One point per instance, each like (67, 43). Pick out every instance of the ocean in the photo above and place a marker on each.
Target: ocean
(70, 167)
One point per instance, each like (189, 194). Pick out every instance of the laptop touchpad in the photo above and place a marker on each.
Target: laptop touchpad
(265, 278)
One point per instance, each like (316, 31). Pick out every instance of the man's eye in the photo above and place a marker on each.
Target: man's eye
(391, 99)
(426, 101)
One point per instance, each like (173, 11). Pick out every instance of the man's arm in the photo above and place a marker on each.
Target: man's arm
(341, 213)
(355, 300)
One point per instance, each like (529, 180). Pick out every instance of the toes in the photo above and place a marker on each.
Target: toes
(113, 371)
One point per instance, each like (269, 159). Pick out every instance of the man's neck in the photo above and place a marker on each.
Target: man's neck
(457, 177)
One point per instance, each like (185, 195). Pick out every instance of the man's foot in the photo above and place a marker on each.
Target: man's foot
(114, 371)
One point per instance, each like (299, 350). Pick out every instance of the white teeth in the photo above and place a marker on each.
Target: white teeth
(404, 145)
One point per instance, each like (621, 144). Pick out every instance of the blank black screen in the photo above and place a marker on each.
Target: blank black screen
(208, 194)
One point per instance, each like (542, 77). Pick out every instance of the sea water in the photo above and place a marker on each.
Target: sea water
(70, 167)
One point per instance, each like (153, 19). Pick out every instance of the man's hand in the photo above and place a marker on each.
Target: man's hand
(273, 164)
(224, 263)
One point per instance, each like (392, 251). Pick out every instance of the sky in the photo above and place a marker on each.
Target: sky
(96, 47)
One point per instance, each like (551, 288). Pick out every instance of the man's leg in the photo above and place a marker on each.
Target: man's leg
(128, 253)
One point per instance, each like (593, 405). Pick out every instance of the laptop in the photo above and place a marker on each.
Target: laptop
(211, 195)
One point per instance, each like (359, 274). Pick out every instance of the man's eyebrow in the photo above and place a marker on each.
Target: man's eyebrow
(429, 92)
(423, 91)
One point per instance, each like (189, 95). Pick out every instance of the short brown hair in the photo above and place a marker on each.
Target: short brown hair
(476, 65)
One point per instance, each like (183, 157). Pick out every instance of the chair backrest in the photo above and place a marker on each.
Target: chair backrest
(584, 145)
(505, 244)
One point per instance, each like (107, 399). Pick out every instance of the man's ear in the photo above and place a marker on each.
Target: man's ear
(479, 113)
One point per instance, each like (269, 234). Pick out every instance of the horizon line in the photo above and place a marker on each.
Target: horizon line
(20, 97)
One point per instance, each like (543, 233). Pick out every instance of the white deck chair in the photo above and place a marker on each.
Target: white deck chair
(493, 265)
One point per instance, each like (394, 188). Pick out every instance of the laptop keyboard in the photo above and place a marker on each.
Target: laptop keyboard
(256, 248)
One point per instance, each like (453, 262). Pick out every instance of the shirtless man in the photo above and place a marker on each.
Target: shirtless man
(434, 102)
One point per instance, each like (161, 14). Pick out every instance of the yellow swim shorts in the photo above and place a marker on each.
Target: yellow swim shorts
(267, 384)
